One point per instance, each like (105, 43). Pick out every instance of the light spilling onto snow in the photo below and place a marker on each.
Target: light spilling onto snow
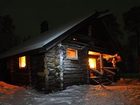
(92, 63)
(22, 62)
(119, 94)
(8, 89)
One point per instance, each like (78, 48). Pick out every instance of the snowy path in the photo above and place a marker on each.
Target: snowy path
(76, 95)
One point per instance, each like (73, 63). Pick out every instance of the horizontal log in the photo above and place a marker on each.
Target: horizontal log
(72, 66)
(75, 68)
(71, 61)
(74, 76)
(72, 80)
(73, 72)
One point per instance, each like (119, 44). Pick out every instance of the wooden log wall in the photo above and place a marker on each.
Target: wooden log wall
(37, 75)
(52, 69)
(62, 72)
(75, 71)
(4, 71)
(16, 75)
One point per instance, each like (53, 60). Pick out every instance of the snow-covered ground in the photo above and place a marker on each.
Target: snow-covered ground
(122, 93)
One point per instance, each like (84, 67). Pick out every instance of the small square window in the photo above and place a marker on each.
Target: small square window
(72, 53)
(22, 62)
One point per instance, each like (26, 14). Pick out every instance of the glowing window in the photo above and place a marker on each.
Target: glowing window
(71, 53)
(92, 63)
(22, 62)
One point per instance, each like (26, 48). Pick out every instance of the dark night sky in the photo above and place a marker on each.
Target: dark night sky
(28, 14)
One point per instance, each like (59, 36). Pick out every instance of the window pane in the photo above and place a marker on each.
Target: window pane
(22, 62)
(92, 63)
(72, 53)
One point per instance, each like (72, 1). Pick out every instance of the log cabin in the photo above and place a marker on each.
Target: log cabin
(61, 57)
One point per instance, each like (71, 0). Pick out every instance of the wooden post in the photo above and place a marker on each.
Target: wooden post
(88, 69)
(101, 64)
(30, 72)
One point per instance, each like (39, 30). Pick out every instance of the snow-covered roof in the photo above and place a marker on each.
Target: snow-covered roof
(47, 37)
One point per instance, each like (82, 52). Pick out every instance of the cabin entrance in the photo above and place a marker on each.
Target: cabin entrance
(94, 61)
(98, 62)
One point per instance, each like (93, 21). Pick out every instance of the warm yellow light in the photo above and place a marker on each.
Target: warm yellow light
(107, 56)
(71, 53)
(93, 53)
(92, 63)
(22, 62)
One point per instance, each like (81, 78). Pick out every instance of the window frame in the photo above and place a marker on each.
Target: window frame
(75, 51)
